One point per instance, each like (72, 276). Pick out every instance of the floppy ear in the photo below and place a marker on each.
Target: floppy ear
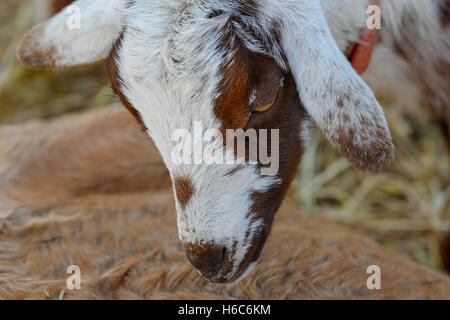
(82, 33)
(338, 100)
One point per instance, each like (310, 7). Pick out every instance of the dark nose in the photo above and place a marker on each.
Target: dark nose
(208, 259)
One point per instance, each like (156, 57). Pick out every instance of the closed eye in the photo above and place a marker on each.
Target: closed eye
(265, 107)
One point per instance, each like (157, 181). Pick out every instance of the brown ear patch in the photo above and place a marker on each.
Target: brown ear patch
(184, 190)
(32, 54)
(368, 147)
(376, 158)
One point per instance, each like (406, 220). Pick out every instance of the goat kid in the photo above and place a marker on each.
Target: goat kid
(90, 190)
(259, 64)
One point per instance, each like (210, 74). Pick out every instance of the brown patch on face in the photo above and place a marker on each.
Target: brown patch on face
(231, 106)
(184, 190)
(32, 54)
(259, 76)
(116, 83)
(288, 117)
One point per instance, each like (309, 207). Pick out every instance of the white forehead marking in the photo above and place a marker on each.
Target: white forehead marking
(170, 60)
(169, 63)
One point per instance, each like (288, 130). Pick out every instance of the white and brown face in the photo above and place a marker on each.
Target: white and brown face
(229, 66)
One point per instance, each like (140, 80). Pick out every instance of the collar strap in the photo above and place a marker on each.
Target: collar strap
(360, 53)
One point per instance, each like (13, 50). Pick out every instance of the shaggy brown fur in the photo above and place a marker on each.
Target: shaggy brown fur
(91, 190)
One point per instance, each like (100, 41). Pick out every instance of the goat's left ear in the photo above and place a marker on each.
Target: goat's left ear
(338, 100)
(83, 34)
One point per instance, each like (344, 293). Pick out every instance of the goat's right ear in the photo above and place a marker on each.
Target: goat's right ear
(338, 100)
(83, 34)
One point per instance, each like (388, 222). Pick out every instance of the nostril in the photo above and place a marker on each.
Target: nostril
(207, 259)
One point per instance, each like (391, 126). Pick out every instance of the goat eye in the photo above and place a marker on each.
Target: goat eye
(266, 106)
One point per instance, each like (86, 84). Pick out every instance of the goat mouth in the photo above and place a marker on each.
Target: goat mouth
(251, 257)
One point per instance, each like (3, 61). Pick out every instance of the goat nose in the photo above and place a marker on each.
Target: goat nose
(207, 259)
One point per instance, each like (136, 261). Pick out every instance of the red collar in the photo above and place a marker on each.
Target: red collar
(360, 53)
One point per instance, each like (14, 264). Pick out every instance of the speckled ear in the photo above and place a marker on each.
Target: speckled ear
(82, 33)
(338, 100)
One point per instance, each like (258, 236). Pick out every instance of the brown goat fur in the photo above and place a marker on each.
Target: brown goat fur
(91, 190)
